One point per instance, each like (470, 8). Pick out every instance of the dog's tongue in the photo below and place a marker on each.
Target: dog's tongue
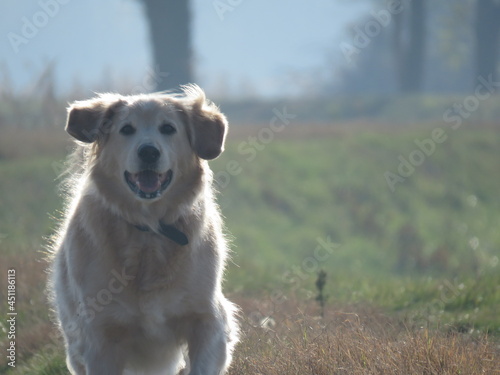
(148, 181)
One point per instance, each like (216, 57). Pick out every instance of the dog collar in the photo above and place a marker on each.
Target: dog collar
(169, 231)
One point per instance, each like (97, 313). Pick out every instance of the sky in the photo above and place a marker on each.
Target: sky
(253, 48)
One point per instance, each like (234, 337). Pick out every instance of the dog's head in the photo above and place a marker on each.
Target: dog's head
(149, 141)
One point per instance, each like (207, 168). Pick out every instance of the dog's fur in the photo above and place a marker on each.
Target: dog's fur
(130, 300)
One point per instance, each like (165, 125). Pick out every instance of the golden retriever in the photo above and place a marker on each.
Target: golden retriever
(138, 262)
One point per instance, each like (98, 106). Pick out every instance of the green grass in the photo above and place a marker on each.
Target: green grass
(297, 190)
(49, 361)
(427, 252)
(29, 197)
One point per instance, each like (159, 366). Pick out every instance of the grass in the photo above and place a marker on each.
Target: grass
(352, 340)
(412, 281)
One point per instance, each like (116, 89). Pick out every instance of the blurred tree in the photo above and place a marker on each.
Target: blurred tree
(487, 33)
(396, 53)
(450, 52)
(170, 32)
(409, 46)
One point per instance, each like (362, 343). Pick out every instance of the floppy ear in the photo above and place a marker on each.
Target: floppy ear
(89, 119)
(208, 128)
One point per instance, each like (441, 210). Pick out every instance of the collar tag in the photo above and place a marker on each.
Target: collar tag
(169, 231)
(174, 234)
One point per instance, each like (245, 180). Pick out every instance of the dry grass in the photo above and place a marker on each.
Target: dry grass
(33, 143)
(33, 329)
(291, 340)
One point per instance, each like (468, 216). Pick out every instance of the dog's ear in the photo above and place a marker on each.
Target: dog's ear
(89, 119)
(208, 126)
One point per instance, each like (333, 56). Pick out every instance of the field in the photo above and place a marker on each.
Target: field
(410, 256)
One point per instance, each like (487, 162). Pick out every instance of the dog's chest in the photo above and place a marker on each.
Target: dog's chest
(156, 310)
(159, 291)
(154, 262)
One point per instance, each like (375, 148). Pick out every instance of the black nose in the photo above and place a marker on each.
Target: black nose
(148, 154)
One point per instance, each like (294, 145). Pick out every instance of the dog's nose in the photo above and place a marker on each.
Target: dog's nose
(148, 153)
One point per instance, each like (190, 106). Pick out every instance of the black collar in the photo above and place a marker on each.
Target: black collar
(169, 231)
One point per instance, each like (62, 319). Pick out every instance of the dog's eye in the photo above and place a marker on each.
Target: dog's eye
(167, 129)
(127, 130)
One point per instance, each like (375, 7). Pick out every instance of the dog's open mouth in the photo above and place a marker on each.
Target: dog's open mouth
(148, 184)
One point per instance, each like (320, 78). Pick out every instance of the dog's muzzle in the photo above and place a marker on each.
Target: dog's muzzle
(148, 184)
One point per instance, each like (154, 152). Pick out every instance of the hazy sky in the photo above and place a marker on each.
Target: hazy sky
(261, 47)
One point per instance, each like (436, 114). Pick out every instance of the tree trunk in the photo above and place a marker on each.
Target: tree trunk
(416, 52)
(410, 55)
(398, 49)
(487, 28)
(170, 33)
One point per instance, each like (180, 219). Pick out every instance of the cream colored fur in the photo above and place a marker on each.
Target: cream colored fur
(131, 301)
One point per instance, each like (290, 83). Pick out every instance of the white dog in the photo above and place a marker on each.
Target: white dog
(138, 262)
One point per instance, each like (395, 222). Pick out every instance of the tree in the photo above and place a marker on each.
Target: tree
(487, 33)
(170, 33)
(395, 49)
(450, 51)
(409, 46)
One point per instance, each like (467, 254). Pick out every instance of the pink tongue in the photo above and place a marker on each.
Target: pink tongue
(149, 181)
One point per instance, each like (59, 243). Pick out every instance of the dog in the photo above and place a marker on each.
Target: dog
(138, 262)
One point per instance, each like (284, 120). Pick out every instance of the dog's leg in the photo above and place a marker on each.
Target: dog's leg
(104, 362)
(208, 347)
(75, 367)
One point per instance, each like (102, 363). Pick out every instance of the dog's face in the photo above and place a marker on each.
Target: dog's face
(147, 142)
